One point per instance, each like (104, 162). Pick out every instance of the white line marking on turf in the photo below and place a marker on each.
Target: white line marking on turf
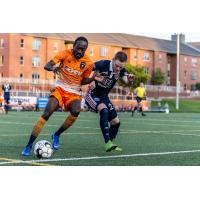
(169, 132)
(147, 124)
(104, 157)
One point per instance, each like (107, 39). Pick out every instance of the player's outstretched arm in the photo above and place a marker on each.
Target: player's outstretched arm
(50, 66)
(95, 77)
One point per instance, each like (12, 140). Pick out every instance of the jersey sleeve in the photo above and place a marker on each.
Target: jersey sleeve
(59, 57)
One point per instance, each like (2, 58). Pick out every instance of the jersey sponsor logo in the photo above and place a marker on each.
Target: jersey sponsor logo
(116, 76)
(73, 71)
(96, 99)
(82, 65)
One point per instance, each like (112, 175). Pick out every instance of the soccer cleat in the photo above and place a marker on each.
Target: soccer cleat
(118, 149)
(55, 142)
(109, 146)
(143, 114)
(27, 150)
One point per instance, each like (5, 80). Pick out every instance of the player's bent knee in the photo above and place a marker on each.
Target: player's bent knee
(46, 115)
(75, 113)
(115, 121)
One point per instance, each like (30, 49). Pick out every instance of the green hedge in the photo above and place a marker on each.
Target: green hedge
(192, 106)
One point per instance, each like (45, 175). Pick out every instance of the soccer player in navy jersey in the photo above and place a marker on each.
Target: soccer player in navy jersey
(97, 98)
(6, 93)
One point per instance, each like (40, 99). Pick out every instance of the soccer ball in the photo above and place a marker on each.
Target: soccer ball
(43, 149)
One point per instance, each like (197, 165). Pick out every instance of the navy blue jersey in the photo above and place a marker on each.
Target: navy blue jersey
(105, 68)
(6, 88)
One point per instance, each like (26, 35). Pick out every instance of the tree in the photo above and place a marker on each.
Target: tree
(197, 86)
(139, 73)
(158, 77)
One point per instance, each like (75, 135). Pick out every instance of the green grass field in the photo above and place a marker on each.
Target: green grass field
(158, 139)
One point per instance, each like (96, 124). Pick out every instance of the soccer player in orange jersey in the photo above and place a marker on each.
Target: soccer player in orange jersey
(1, 102)
(74, 70)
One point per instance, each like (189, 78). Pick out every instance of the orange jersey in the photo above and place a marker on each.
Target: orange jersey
(72, 70)
(1, 97)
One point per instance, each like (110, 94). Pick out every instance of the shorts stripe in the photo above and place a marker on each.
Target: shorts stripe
(90, 101)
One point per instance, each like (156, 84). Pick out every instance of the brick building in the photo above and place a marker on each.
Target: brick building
(22, 56)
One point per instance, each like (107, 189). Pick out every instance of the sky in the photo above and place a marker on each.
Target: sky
(189, 37)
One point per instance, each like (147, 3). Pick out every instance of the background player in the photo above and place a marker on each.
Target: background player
(98, 100)
(6, 87)
(74, 71)
(2, 110)
(140, 94)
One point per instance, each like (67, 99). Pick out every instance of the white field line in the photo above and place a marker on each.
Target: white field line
(131, 131)
(149, 124)
(134, 119)
(102, 157)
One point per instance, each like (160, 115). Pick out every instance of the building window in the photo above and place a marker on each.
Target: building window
(36, 61)
(36, 44)
(185, 60)
(194, 75)
(135, 55)
(35, 76)
(21, 76)
(168, 73)
(185, 73)
(146, 70)
(160, 57)
(185, 87)
(91, 52)
(2, 44)
(22, 43)
(55, 47)
(21, 60)
(146, 56)
(103, 51)
(194, 62)
(1, 60)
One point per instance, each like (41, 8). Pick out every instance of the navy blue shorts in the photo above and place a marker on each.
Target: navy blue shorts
(93, 101)
(7, 100)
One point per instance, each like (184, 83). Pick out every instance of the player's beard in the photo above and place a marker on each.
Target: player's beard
(78, 55)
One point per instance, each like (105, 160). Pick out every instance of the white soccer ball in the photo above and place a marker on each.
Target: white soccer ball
(43, 149)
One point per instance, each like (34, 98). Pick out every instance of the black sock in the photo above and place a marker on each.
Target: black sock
(104, 124)
(113, 131)
(31, 140)
(6, 108)
(135, 108)
(141, 110)
(59, 131)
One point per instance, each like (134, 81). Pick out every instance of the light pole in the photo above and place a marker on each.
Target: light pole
(177, 71)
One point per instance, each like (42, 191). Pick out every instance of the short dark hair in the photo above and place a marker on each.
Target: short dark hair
(121, 56)
(81, 38)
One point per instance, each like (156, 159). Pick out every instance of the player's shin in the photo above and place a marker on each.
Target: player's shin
(104, 124)
(113, 131)
(67, 123)
(36, 130)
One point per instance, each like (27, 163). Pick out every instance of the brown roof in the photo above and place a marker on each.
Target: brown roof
(125, 41)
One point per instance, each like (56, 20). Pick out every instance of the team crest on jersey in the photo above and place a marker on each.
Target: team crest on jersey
(82, 65)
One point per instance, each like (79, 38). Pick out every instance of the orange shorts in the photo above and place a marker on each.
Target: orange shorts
(64, 97)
